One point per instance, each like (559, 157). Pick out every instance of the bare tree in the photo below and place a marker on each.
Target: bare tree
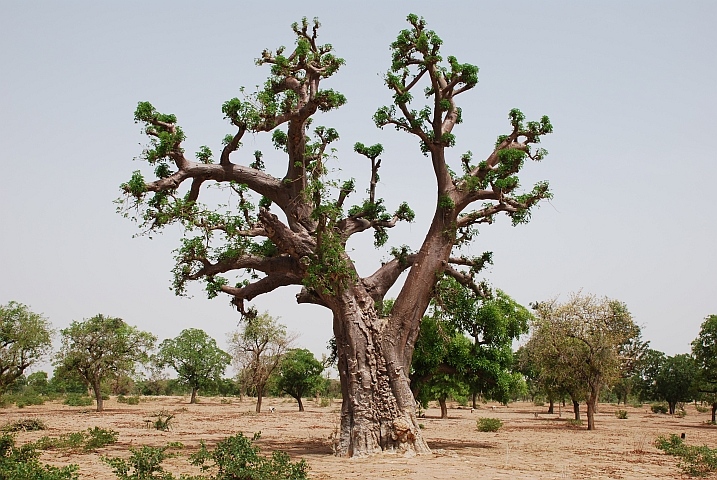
(305, 244)
(257, 349)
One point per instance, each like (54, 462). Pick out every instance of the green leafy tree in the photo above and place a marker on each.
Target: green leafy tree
(195, 357)
(257, 349)
(580, 342)
(25, 338)
(299, 374)
(102, 347)
(704, 350)
(249, 250)
(647, 369)
(675, 381)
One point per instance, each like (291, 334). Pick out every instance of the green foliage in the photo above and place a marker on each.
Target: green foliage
(489, 424)
(28, 398)
(25, 339)
(299, 373)
(21, 463)
(676, 379)
(237, 457)
(144, 463)
(87, 441)
(162, 420)
(572, 422)
(24, 425)
(621, 414)
(78, 400)
(697, 461)
(659, 408)
(103, 347)
(195, 357)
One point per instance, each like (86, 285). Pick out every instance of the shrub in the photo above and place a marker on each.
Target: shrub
(87, 441)
(659, 408)
(488, 424)
(237, 458)
(144, 463)
(77, 400)
(695, 460)
(621, 414)
(539, 403)
(22, 463)
(23, 401)
(121, 399)
(636, 405)
(702, 409)
(162, 420)
(26, 425)
(682, 413)
(571, 422)
(325, 402)
(133, 401)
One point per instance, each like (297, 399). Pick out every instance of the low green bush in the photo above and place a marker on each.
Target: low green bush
(25, 425)
(145, 463)
(659, 408)
(78, 400)
(621, 414)
(22, 463)
(539, 403)
(23, 401)
(702, 409)
(697, 461)
(682, 413)
(571, 422)
(636, 405)
(489, 424)
(87, 441)
(238, 458)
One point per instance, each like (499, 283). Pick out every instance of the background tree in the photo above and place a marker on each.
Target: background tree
(675, 381)
(645, 378)
(704, 350)
(102, 347)
(305, 244)
(25, 338)
(586, 336)
(195, 357)
(257, 349)
(299, 374)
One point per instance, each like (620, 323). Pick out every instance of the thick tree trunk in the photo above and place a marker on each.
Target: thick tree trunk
(672, 407)
(98, 396)
(576, 409)
(194, 396)
(444, 407)
(301, 405)
(378, 412)
(550, 407)
(592, 403)
(259, 395)
(714, 412)
(475, 400)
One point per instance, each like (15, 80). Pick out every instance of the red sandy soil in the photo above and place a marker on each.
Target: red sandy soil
(531, 444)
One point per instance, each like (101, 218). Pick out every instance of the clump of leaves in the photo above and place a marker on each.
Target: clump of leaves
(697, 461)
(144, 463)
(682, 413)
(24, 425)
(237, 457)
(489, 424)
(621, 414)
(77, 400)
(27, 399)
(702, 409)
(571, 422)
(21, 463)
(659, 408)
(128, 400)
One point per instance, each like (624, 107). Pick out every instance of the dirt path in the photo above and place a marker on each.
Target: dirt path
(529, 446)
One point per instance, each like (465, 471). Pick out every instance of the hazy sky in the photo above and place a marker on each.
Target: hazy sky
(630, 88)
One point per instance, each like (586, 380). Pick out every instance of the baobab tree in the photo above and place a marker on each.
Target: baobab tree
(303, 243)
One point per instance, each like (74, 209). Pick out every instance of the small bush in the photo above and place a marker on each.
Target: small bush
(696, 461)
(226, 401)
(237, 458)
(87, 441)
(421, 426)
(488, 424)
(702, 409)
(26, 425)
(144, 463)
(659, 408)
(571, 422)
(97, 437)
(162, 420)
(621, 414)
(121, 399)
(78, 400)
(325, 402)
(22, 463)
(636, 405)
(23, 401)
(133, 401)
(539, 403)
(681, 413)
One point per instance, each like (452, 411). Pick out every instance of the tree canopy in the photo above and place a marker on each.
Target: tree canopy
(195, 357)
(25, 338)
(102, 347)
(299, 374)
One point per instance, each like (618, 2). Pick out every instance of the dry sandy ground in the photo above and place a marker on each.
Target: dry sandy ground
(529, 446)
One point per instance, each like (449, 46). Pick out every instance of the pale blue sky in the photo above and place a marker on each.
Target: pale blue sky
(629, 87)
